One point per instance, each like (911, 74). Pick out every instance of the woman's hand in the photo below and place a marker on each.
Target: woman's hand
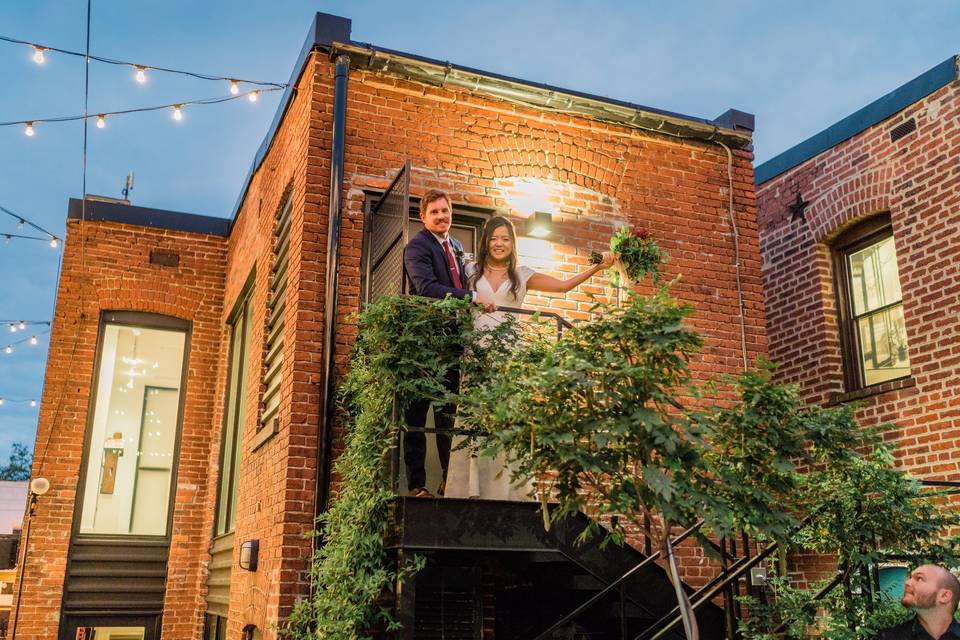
(607, 260)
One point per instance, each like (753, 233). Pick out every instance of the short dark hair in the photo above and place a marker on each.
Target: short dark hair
(949, 582)
(432, 196)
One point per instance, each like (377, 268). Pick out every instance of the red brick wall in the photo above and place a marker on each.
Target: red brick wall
(916, 180)
(593, 176)
(277, 480)
(106, 266)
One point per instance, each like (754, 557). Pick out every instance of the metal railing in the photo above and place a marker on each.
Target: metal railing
(561, 325)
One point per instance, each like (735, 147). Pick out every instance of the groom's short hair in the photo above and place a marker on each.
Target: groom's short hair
(432, 196)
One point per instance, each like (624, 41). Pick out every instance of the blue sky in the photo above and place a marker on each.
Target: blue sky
(799, 66)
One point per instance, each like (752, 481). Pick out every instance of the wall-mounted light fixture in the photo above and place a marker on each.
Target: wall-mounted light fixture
(249, 553)
(38, 486)
(538, 225)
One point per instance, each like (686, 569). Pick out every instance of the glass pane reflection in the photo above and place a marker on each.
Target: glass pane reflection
(883, 346)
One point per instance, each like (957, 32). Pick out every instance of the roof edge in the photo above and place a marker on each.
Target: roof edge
(877, 111)
(541, 96)
(99, 211)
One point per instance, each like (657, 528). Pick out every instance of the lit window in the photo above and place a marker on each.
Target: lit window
(871, 306)
(240, 323)
(131, 449)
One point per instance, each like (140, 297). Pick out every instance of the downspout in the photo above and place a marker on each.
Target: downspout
(325, 441)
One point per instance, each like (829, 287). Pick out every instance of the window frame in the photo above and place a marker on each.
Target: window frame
(143, 320)
(243, 302)
(862, 235)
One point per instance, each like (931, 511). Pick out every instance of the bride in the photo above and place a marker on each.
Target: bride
(497, 275)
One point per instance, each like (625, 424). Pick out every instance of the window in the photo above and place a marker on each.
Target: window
(871, 305)
(276, 307)
(240, 322)
(131, 452)
(215, 628)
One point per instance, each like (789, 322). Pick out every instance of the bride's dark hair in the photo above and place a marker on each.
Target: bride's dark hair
(483, 253)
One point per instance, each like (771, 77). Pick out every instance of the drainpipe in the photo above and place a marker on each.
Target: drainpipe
(333, 271)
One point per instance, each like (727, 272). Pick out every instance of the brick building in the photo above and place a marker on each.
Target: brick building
(185, 421)
(859, 232)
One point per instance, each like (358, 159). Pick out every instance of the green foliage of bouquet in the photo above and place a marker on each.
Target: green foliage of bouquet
(638, 254)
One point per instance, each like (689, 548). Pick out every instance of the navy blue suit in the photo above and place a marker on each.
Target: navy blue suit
(426, 268)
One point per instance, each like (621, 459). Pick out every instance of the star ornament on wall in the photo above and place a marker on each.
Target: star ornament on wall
(798, 208)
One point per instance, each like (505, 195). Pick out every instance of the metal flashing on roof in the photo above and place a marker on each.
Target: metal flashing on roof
(331, 34)
(100, 211)
(875, 112)
(537, 95)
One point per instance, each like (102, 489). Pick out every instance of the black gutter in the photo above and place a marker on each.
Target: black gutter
(325, 442)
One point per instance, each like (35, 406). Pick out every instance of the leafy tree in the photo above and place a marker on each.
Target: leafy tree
(18, 468)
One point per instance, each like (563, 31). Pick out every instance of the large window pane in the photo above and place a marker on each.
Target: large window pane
(875, 280)
(235, 413)
(130, 460)
(883, 345)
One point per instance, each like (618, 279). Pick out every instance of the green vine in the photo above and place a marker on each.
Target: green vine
(406, 346)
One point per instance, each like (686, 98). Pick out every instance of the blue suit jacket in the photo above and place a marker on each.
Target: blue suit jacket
(426, 267)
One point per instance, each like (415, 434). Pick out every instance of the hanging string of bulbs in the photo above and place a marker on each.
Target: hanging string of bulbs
(31, 401)
(140, 75)
(52, 239)
(101, 118)
(33, 340)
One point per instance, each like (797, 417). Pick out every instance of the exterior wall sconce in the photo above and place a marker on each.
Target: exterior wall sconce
(538, 225)
(249, 553)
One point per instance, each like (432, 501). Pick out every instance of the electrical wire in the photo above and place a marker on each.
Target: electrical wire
(172, 105)
(144, 67)
(24, 220)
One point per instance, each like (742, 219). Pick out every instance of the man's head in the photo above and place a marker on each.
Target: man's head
(436, 212)
(930, 587)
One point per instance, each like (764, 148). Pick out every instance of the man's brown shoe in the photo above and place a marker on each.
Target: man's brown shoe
(420, 492)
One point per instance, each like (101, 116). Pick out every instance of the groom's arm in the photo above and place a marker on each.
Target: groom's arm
(419, 267)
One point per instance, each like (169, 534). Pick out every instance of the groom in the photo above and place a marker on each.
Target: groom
(433, 263)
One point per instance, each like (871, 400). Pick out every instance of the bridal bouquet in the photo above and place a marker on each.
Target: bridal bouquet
(638, 254)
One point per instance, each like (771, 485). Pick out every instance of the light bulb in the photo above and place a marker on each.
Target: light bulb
(22, 325)
(141, 74)
(234, 87)
(33, 403)
(54, 243)
(13, 328)
(1, 401)
(29, 129)
(177, 112)
(101, 122)
(33, 339)
(38, 56)
(253, 96)
(8, 349)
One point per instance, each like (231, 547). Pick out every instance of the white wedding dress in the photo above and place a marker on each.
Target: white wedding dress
(469, 474)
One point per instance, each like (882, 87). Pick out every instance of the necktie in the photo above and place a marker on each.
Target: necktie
(452, 264)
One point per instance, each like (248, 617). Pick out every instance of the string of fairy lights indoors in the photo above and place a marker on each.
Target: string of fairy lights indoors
(25, 334)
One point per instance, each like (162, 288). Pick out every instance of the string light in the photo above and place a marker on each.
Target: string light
(234, 87)
(138, 66)
(101, 121)
(33, 403)
(54, 243)
(13, 328)
(21, 325)
(21, 220)
(29, 401)
(29, 129)
(253, 96)
(203, 101)
(33, 340)
(141, 73)
(38, 56)
(8, 348)
(1, 402)
(177, 112)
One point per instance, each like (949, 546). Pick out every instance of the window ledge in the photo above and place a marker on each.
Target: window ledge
(264, 435)
(873, 390)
